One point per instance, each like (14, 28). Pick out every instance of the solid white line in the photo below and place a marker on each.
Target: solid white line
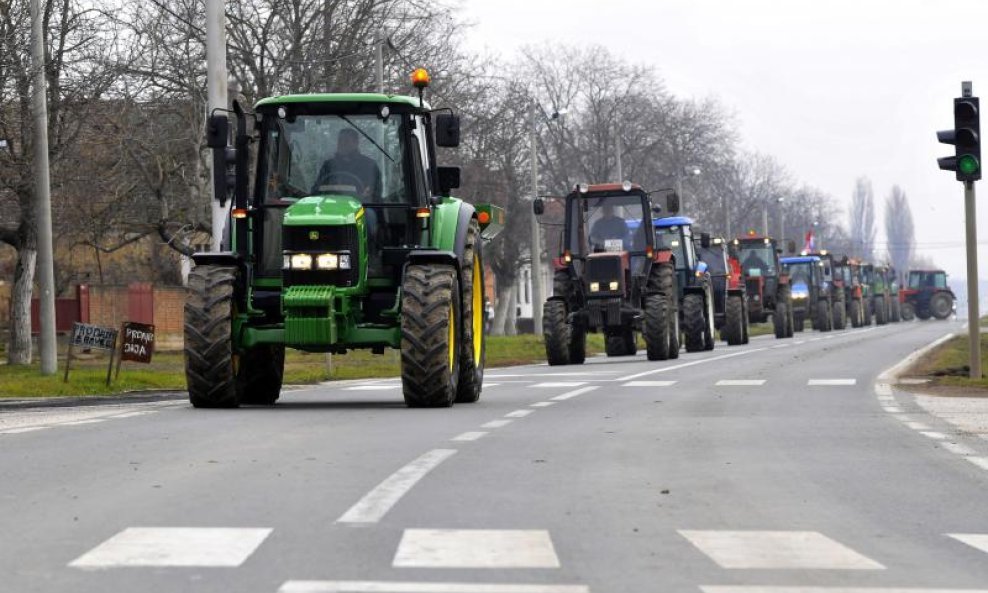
(820, 382)
(799, 342)
(649, 384)
(81, 422)
(371, 387)
(543, 404)
(421, 587)
(689, 364)
(958, 449)
(574, 393)
(518, 413)
(134, 414)
(496, 423)
(739, 382)
(889, 375)
(801, 589)
(469, 436)
(23, 430)
(934, 435)
(376, 503)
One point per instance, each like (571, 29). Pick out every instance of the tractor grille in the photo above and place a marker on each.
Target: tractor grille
(603, 271)
(316, 240)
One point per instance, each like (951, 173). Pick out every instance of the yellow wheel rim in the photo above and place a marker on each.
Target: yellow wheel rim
(478, 310)
(452, 335)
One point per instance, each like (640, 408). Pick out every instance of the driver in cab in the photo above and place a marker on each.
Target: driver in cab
(348, 167)
(608, 227)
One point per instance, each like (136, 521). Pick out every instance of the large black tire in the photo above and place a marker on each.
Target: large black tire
(657, 327)
(430, 334)
(881, 310)
(473, 352)
(694, 323)
(631, 342)
(908, 312)
(779, 321)
(840, 315)
(577, 345)
(211, 364)
(710, 333)
(867, 313)
(824, 316)
(556, 332)
(662, 280)
(616, 345)
(941, 305)
(923, 314)
(261, 371)
(799, 321)
(857, 315)
(745, 337)
(734, 321)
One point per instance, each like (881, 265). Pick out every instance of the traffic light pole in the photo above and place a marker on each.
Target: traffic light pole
(973, 316)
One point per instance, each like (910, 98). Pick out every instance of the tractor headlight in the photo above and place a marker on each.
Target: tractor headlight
(613, 285)
(595, 287)
(327, 261)
(301, 261)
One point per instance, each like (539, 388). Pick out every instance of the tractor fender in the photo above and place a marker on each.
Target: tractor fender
(434, 256)
(450, 220)
(466, 213)
(663, 256)
(233, 260)
(736, 292)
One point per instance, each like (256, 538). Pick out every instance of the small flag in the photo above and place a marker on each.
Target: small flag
(810, 243)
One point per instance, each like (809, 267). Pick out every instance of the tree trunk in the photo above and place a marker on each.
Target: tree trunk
(19, 351)
(502, 303)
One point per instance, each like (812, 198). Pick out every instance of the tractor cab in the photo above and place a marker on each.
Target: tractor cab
(675, 233)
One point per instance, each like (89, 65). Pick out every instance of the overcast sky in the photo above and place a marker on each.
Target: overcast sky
(834, 89)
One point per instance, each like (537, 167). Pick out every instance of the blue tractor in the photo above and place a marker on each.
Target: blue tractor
(696, 297)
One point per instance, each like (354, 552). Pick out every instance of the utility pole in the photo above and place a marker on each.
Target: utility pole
(727, 217)
(379, 61)
(538, 292)
(782, 221)
(620, 171)
(765, 219)
(42, 190)
(216, 86)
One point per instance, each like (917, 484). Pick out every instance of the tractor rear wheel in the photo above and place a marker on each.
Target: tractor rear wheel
(799, 321)
(262, 369)
(710, 333)
(473, 346)
(779, 320)
(694, 324)
(881, 311)
(657, 327)
(941, 305)
(734, 321)
(856, 313)
(211, 362)
(896, 310)
(908, 312)
(840, 315)
(746, 322)
(824, 321)
(556, 333)
(430, 334)
(662, 280)
(616, 345)
(577, 345)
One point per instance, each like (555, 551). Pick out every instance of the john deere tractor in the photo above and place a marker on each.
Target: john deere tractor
(345, 238)
(766, 284)
(696, 291)
(730, 300)
(610, 278)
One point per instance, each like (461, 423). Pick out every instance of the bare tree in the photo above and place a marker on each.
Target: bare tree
(862, 220)
(899, 229)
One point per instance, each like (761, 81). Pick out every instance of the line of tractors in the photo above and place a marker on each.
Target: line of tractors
(630, 265)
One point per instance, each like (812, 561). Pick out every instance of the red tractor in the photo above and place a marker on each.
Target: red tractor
(730, 300)
(766, 285)
(927, 295)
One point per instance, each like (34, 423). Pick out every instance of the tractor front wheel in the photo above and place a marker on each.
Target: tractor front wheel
(881, 311)
(556, 333)
(657, 327)
(473, 346)
(824, 319)
(840, 315)
(694, 324)
(430, 334)
(734, 329)
(908, 312)
(857, 315)
(211, 362)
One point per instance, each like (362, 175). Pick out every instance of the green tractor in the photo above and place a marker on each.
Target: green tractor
(349, 239)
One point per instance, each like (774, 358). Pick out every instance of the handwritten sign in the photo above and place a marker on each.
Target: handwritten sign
(138, 342)
(85, 335)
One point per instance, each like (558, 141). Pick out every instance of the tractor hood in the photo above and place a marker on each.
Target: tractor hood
(329, 210)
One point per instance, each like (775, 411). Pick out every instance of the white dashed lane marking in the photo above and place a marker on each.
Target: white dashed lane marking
(572, 394)
(475, 548)
(371, 387)
(939, 436)
(822, 382)
(543, 404)
(174, 546)
(376, 503)
(496, 423)
(739, 382)
(422, 587)
(649, 384)
(799, 589)
(518, 413)
(469, 436)
(777, 550)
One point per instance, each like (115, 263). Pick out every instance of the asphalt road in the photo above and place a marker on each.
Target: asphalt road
(773, 467)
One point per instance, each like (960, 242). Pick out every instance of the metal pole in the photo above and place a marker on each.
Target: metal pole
(679, 189)
(782, 223)
(46, 259)
(973, 317)
(727, 217)
(216, 86)
(379, 62)
(538, 292)
(620, 171)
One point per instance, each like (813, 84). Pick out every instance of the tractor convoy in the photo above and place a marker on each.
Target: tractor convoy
(342, 234)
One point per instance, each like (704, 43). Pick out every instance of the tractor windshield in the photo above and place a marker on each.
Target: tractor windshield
(714, 257)
(757, 259)
(607, 223)
(356, 155)
(927, 279)
(800, 278)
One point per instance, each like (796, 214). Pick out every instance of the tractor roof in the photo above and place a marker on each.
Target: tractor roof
(802, 259)
(669, 221)
(605, 188)
(341, 98)
(927, 271)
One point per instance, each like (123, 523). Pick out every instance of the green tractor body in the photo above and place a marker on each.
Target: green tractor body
(348, 239)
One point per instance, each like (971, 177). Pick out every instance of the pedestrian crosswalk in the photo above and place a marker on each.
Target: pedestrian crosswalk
(777, 550)
(476, 548)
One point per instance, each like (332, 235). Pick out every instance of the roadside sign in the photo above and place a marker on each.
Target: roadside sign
(137, 344)
(89, 336)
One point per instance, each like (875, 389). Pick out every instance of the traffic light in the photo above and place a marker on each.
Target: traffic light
(966, 138)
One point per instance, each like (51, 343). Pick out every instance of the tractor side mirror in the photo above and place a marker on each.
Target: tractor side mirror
(672, 203)
(705, 240)
(449, 179)
(791, 246)
(447, 130)
(217, 130)
(538, 206)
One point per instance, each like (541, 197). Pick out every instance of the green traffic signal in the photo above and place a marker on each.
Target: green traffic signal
(968, 164)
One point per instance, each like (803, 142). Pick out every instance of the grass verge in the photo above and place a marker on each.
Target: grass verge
(947, 365)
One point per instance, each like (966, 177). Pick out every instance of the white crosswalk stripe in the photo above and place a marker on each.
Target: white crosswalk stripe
(649, 384)
(740, 382)
(175, 546)
(475, 548)
(777, 550)
(800, 589)
(975, 540)
(420, 587)
(824, 382)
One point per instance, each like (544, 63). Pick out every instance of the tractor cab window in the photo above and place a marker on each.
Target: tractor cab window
(607, 224)
(671, 238)
(800, 275)
(757, 259)
(715, 258)
(361, 156)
